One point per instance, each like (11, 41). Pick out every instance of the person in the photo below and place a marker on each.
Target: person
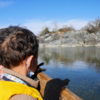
(18, 64)
(18, 54)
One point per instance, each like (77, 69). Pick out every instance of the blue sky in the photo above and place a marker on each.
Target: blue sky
(38, 14)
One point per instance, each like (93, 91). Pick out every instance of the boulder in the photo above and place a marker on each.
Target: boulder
(69, 41)
(64, 35)
(42, 37)
(86, 38)
(71, 34)
(48, 38)
(98, 34)
(90, 39)
(79, 35)
(55, 36)
(47, 35)
(55, 42)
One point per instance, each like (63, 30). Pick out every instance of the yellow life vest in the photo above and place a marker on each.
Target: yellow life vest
(8, 89)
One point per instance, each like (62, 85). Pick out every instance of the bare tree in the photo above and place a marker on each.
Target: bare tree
(55, 26)
(64, 26)
(92, 27)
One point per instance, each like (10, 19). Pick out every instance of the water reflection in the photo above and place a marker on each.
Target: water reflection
(68, 56)
(81, 65)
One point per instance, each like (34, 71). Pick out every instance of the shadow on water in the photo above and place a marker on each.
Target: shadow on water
(80, 64)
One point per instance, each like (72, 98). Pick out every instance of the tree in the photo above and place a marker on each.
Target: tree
(45, 31)
(65, 28)
(55, 26)
(92, 27)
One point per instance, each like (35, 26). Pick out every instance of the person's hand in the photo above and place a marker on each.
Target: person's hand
(38, 70)
(54, 89)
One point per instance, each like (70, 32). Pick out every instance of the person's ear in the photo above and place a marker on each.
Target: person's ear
(29, 60)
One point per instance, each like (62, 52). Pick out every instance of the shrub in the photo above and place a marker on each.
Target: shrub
(45, 31)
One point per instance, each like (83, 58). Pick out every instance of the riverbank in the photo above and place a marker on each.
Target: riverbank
(68, 45)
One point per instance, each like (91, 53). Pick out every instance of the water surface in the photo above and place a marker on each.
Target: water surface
(80, 64)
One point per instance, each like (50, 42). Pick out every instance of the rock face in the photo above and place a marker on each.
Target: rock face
(71, 38)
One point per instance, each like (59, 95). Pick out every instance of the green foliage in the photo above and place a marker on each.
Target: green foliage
(66, 29)
(60, 29)
(45, 31)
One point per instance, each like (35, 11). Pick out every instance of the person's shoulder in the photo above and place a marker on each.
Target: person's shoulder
(22, 97)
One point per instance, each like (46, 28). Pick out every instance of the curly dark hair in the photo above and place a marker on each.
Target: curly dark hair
(16, 43)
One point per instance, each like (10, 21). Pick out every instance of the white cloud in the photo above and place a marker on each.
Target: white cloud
(77, 24)
(37, 26)
(5, 3)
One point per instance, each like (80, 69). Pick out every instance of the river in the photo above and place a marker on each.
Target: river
(79, 64)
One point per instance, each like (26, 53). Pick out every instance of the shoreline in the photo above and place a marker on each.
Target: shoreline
(68, 45)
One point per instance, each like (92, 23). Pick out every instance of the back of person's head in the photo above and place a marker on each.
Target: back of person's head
(16, 44)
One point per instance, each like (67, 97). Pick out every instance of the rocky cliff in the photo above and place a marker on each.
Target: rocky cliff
(70, 38)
